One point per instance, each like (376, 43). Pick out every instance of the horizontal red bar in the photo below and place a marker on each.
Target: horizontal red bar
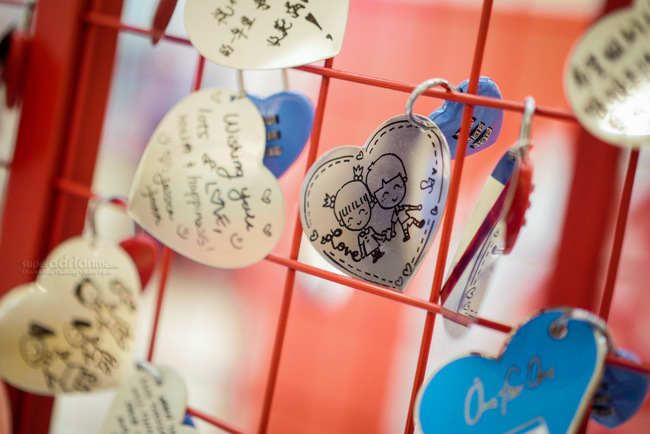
(564, 115)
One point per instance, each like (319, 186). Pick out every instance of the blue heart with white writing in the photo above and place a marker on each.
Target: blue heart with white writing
(543, 382)
(486, 121)
(288, 118)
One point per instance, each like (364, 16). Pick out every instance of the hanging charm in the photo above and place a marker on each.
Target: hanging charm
(542, 382)
(607, 80)
(373, 212)
(266, 34)
(621, 393)
(73, 328)
(288, 119)
(492, 230)
(201, 187)
(486, 121)
(153, 399)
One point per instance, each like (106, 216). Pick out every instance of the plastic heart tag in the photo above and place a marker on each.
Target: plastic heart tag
(607, 77)
(373, 211)
(542, 382)
(490, 232)
(486, 121)
(266, 34)
(149, 401)
(201, 187)
(288, 117)
(621, 393)
(144, 252)
(73, 329)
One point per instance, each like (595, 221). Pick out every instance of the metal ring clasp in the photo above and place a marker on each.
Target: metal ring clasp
(420, 121)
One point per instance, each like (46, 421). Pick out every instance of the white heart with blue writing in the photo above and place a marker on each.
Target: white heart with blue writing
(543, 382)
(373, 212)
(201, 187)
(148, 403)
(266, 34)
(73, 328)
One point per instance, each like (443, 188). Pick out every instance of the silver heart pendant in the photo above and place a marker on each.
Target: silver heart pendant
(373, 211)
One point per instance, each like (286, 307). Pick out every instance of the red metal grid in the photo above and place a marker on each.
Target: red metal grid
(63, 191)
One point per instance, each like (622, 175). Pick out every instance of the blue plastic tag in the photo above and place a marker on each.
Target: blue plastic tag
(621, 393)
(486, 124)
(542, 382)
(288, 118)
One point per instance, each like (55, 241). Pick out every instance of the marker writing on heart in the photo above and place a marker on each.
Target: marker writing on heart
(535, 375)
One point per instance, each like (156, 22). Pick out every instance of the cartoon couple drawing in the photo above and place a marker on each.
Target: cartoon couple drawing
(386, 185)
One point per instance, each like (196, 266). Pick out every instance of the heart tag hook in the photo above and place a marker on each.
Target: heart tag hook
(418, 120)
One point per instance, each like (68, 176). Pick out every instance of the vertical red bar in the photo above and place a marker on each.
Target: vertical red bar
(450, 210)
(291, 273)
(48, 104)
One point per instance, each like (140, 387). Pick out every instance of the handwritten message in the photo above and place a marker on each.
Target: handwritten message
(201, 187)
(608, 77)
(266, 34)
(149, 402)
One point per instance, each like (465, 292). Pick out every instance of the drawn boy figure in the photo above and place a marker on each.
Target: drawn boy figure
(90, 296)
(352, 206)
(79, 334)
(386, 179)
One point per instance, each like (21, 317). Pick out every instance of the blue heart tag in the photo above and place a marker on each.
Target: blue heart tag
(621, 393)
(542, 382)
(486, 121)
(288, 118)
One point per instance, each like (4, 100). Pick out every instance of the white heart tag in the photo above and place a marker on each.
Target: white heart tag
(373, 211)
(266, 34)
(201, 187)
(73, 329)
(149, 403)
(607, 74)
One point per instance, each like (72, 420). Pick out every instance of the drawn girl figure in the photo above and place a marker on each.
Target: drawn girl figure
(386, 179)
(79, 335)
(352, 206)
(90, 297)
(57, 366)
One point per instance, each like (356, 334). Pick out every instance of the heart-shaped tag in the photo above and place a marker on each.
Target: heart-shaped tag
(621, 393)
(288, 117)
(266, 34)
(144, 252)
(161, 19)
(607, 77)
(148, 402)
(73, 329)
(486, 121)
(542, 382)
(373, 211)
(201, 187)
(491, 231)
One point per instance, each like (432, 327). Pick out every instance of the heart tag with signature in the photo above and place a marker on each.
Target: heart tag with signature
(288, 118)
(73, 328)
(542, 382)
(373, 212)
(607, 77)
(151, 400)
(486, 121)
(266, 34)
(492, 230)
(201, 187)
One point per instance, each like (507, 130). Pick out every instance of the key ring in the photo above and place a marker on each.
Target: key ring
(558, 329)
(90, 227)
(151, 370)
(421, 121)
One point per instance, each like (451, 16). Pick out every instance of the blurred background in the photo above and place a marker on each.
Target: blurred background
(349, 357)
